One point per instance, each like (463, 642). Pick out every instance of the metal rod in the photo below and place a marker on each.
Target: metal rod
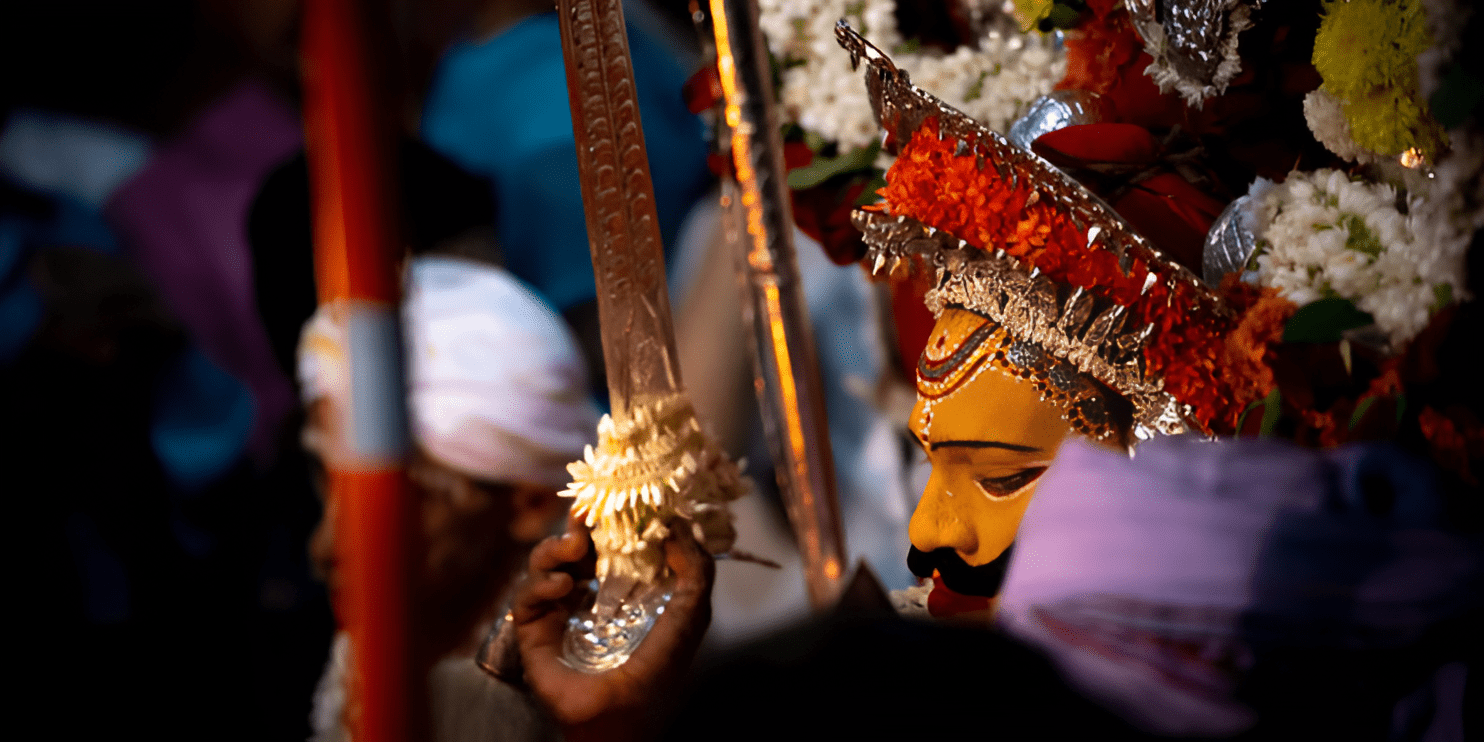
(788, 387)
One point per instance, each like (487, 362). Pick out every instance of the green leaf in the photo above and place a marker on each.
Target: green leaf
(1272, 408)
(1064, 16)
(1360, 238)
(1442, 296)
(1360, 410)
(976, 89)
(1252, 264)
(1324, 321)
(824, 168)
(1241, 419)
(1401, 407)
(870, 195)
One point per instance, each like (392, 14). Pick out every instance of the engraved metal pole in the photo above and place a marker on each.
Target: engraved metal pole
(622, 226)
(653, 468)
(789, 389)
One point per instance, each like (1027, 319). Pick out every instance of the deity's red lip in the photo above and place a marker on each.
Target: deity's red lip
(945, 603)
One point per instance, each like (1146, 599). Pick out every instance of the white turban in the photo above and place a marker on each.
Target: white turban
(497, 388)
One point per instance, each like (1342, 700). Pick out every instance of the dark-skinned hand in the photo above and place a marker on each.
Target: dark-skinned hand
(630, 701)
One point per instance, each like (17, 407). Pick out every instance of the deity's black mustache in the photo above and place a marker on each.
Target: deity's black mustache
(983, 580)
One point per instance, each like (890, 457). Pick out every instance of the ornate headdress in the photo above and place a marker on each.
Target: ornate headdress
(1085, 301)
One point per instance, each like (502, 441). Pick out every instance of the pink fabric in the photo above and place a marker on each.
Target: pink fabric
(1157, 583)
(184, 219)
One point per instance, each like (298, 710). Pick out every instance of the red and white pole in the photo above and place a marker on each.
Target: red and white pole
(349, 148)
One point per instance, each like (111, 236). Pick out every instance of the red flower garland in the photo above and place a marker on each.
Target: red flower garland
(929, 183)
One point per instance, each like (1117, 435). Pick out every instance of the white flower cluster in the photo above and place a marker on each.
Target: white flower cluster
(1325, 115)
(994, 83)
(1321, 234)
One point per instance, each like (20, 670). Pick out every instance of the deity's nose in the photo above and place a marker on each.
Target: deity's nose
(937, 522)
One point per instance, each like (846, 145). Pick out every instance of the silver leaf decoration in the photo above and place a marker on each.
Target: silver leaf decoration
(1229, 245)
(1060, 109)
(1193, 42)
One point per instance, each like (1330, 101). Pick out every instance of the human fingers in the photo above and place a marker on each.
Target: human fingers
(695, 572)
(548, 577)
(667, 651)
(539, 594)
(554, 551)
(694, 568)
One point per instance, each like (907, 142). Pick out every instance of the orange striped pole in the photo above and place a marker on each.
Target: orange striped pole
(355, 237)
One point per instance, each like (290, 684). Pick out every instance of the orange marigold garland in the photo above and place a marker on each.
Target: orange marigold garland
(1100, 48)
(1106, 56)
(1453, 448)
(1250, 347)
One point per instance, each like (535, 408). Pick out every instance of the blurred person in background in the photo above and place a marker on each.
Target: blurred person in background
(165, 539)
(498, 405)
(496, 104)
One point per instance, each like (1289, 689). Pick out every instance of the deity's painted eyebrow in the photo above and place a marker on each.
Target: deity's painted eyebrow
(984, 444)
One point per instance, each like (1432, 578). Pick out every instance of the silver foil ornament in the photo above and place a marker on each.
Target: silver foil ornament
(1193, 43)
(1229, 244)
(1058, 110)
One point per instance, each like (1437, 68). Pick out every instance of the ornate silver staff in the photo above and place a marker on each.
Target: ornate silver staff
(653, 468)
(783, 345)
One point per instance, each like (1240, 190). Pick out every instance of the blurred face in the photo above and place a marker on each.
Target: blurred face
(472, 536)
(989, 437)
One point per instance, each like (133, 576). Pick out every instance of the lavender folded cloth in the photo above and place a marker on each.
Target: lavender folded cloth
(1163, 585)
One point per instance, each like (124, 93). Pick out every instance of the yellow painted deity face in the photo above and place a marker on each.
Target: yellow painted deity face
(988, 435)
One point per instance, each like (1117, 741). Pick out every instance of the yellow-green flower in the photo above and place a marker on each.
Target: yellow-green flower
(1366, 51)
(1030, 12)
(1392, 121)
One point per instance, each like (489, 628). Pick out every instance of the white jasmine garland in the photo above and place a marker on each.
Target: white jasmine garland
(994, 83)
(1454, 210)
(912, 602)
(1321, 234)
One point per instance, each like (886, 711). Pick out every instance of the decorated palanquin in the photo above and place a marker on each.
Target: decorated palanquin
(1227, 218)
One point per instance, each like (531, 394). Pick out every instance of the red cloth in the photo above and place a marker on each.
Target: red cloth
(823, 213)
(943, 603)
(1166, 208)
(913, 321)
